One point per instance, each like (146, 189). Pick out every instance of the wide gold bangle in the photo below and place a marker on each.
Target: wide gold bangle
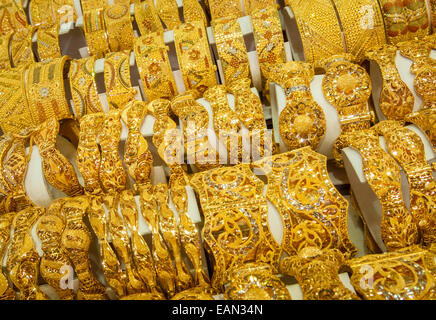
(407, 148)
(6, 290)
(425, 119)
(119, 89)
(398, 228)
(163, 138)
(95, 32)
(41, 11)
(225, 8)
(405, 274)
(5, 60)
(20, 47)
(147, 18)
(314, 213)
(320, 33)
(45, 90)
(193, 11)
(58, 171)
(83, 87)
(154, 67)
(255, 281)
(119, 27)
(16, 17)
(236, 228)
(168, 12)
(195, 61)
(302, 122)
(48, 41)
(405, 20)
(231, 49)
(396, 99)
(92, 4)
(251, 5)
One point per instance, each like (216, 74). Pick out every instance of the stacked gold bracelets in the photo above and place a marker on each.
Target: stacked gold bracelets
(95, 32)
(119, 27)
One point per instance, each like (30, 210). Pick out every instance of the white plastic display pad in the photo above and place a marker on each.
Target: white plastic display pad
(368, 202)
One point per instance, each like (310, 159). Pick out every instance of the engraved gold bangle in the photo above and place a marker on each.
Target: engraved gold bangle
(195, 61)
(225, 8)
(231, 49)
(168, 12)
(302, 122)
(405, 20)
(396, 99)
(398, 228)
(41, 11)
(48, 41)
(193, 11)
(16, 17)
(6, 290)
(425, 119)
(320, 33)
(154, 67)
(119, 27)
(83, 87)
(147, 18)
(45, 90)
(119, 89)
(5, 61)
(95, 32)
(20, 47)
(252, 5)
(92, 4)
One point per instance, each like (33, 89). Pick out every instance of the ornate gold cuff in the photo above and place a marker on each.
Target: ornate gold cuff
(251, 5)
(425, 119)
(48, 41)
(119, 27)
(6, 290)
(92, 4)
(195, 61)
(160, 109)
(154, 67)
(20, 47)
(95, 32)
(147, 18)
(193, 11)
(225, 9)
(16, 17)
(169, 13)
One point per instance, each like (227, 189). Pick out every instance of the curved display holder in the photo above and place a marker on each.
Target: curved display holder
(369, 204)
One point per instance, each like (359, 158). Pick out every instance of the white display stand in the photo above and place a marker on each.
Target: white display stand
(368, 202)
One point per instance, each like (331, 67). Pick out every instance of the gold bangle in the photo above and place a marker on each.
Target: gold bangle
(404, 145)
(433, 14)
(252, 5)
(119, 27)
(302, 122)
(320, 33)
(48, 41)
(398, 229)
(362, 24)
(95, 32)
(225, 8)
(412, 268)
(41, 11)
(6, 290)
(147, 18)
(92, 4)
(193, 11)
(20, 45)
(425, 119)
(83, 87)
(168, 12)
(160, 108)
(119, 90)
(154, 67)
(231, 49)
(405, 21)
(58, 170)
(75, 242)
(255, 281)
(5, 146)
(45, 90)
(314, 213)
(5, 60)
(236, 228)
(317, 273)
(54, 261)
(195, 293)
(396, 99)
(16, 17)
(195, 61)
(268, 35)
(23, 259)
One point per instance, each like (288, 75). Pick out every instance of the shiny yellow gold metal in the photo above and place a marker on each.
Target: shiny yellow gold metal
(6, 290)
(119, 27)
(195, 61)
(433, 13)
(396, 99)
(20, 47)
(43, 11)
(225, 8)
(160, 108)
(154, 67)
(143, 296)
(193, 11)
(169, 13)
(317, 272)
(252, 5)
(48, 41)
(5, 60)
(13, 17)
(425, 119)
(255, 281)
(147, 18)
(92, 4)
(95, 32)
(196, 293)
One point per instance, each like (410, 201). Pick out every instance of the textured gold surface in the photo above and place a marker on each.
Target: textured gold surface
(119, 27)
(147, 18)
(20, 47)
(193, 11)
(48, 41)
(225, 8)
(95, 32)
(169, 13)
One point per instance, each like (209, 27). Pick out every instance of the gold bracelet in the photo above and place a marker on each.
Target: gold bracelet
(236, 228)
(268, 35)
(75, 241)
(119, 27)
(347, 86)
(160, 109)
(45, 90)
(195, 293)
(405, 21)
(362, 24)
(83, 87)
(23, 259)
(412, 268)
(92, 4)
(54, 261)
(147, 18)
(398, 228)
(396, 99)
(48, 41)
(16, 17)
(433, 14)
(58, 170)
(6, 290)
(5, 147)
(425, 119)
(170, 233)
(119, 90)
(407, 148)
(95, 32)
(225, 8)
(255, 281)
(193, 11)
(154, 67)
(41, 11)
(252, 5)
(5, 60)
(320, 33)
(317, 272)
(314, 213)
(231, 49)
(168, 12)
(20, 47)
(195, 61)
(302, 122)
